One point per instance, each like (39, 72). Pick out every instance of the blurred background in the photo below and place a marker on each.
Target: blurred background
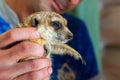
(88, 11)
(102, 18)
(110, 38)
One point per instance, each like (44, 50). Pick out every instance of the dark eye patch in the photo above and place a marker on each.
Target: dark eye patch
(56, 24)
(34, 22)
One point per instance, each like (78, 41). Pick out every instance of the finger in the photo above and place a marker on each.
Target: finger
(37, 75)
(30, 66)
(23, 50)
(17, 34)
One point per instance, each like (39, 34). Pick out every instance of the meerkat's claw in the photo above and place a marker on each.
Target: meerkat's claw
(79, 57)
(47, 50)
(28, 58)
(83, 61)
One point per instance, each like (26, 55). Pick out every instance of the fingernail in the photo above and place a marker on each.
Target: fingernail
(35, 34)
(50, 70)
(50, 63)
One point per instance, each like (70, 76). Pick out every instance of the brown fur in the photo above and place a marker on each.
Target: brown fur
(54, 33)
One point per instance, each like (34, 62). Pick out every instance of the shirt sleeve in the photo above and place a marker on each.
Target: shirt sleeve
(4, 26)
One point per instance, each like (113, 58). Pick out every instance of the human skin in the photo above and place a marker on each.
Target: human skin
(10, 69)
(37, 69)
(28, 7)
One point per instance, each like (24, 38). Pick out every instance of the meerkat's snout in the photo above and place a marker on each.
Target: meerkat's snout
(69, 36)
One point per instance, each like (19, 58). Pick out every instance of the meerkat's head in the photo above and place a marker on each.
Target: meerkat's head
(50, 25)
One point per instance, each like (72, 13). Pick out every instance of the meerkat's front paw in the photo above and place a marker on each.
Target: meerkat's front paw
(80, 57)
(77, 56)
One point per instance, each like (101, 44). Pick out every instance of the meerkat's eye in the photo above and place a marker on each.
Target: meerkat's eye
(34, 22)
(56, 24)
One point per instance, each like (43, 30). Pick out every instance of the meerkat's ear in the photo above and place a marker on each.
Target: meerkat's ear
(65, 21)
(34, 22)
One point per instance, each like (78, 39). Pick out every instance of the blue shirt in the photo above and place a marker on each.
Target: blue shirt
(65, 67)
(4, 26)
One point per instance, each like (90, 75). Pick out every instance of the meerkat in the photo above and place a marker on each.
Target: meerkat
(54, 33)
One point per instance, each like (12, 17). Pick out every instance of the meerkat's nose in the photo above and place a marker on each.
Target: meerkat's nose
(70, 36)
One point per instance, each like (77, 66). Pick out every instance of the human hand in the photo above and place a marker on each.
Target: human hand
(11, 53)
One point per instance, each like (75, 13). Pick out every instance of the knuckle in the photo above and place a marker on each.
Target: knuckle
(11, 34)
(39, 64)
(25, 46)
(34, 64)
(43, 74)
(4, 76)
(48, 62)
(37, 75)
(32, 48)
(31, 76)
